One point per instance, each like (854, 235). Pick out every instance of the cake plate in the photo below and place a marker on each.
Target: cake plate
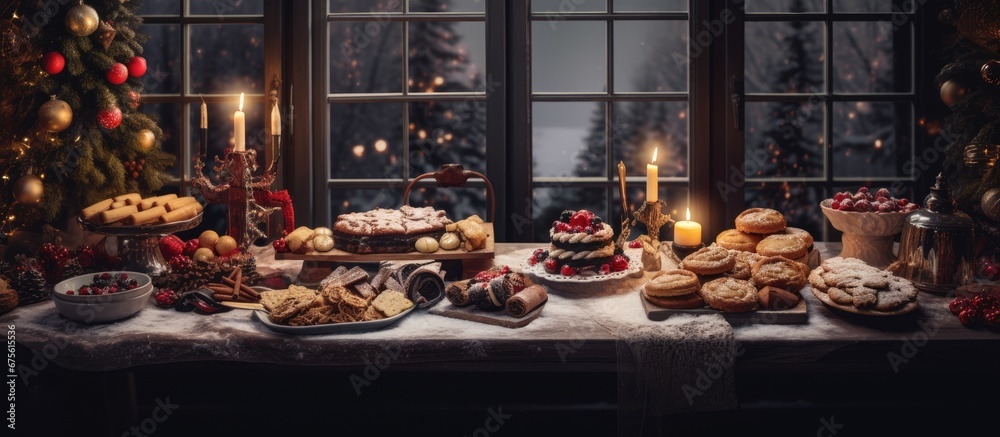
(139, 246)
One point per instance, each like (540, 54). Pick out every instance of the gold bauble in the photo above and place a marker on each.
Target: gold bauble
(146, 139)
(952, 92)
(82, 20)
(28, 189)
(55, 115)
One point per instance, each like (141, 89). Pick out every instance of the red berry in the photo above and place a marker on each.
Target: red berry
(280, 245)
(581, 218)
(887, 207)
(551, 265)
(619, 263)
(960, 303)
(171, 246)
(605, 269)
(180, 263)
(969, 316)
(992, 318)
(532, 261)
(577, 229)
(847, 205)
(862, 206)
(70, 292)
(903, 202)
(191, 246)
(863, 190)
(838, 197)
(883, 192)
(564, 227)
(634, 244)
(835, 205)
(567, 271)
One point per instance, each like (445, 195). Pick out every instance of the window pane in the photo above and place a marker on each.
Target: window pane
(784, 57)
(344, 201)
(227, 59)
(651, 5)
(459, 203)
(168, 118)
(366, 141)
(799, 203)
(448, 6)
(863, 58)
(446, 133)
(568, 139)
(162, 53)
(549, 202)
(566, 7)
(446, 56)
(868, 5)
(642, 126)
(784, 139)
(568, 57)
(366, 57)
(646, 54)
(347, 6)
(871, 139)
(784, 5)
(676, 199)
(228, 7)
(160, 7)
(220, 131)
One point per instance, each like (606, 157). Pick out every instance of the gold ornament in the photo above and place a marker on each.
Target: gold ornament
(952, 92)
(146, 139)
(82, 20)
(55, 115)
(28, 189)
(990, 203)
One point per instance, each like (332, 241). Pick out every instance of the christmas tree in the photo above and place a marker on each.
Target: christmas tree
(71, 134)
(970, 85)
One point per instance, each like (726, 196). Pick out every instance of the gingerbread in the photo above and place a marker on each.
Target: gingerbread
(781, 272)
(737, 240)
(672, 283)
(709, 260)
(730, 295)
(761, 221)
(786, 245)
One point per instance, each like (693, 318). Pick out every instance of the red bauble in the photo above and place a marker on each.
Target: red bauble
(133, 99)
(137, 66)
(53, 63)
(117, 74)
(110, 118)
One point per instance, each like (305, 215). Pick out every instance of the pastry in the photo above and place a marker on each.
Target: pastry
(709, 260)
(525, 301)
(774, 298)
(744, 263)
(449, 241)
(672, 283)
(179, 203)
(801, 233)
(781, 272)
(786, 245)
(189, 211)
(117, 215)
(471, 233)
(761, 221)
(8, 297)
(738, 240)
(730, 295)
(687, 301)
(91, 212)
(387, 230)
(151, 215)
(581, 239)
(852, 282)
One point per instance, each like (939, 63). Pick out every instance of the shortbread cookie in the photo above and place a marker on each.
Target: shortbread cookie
(852, 282)
(709, 260)
(738, 240)
(781, 272)
(788, 246)
(391, 303)
(672, 283)
(761, 221)
(730, 295)
(688, 301)
(744, 263)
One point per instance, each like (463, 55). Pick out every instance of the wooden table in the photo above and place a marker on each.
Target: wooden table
(560, 369)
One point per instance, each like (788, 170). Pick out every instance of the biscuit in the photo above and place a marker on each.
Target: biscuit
(672, 283)
(709, 260)
(761, 221)
(781, 272)
(292, 306)
(688, 301)
(788, 246)
(738, 240)
(852, 282)
(744, 263)
(730, 295)
(774, 298)
(391, 303)
(801, 233)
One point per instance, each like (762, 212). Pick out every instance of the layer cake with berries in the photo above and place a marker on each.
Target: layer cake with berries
(581, 239)
(384, 230)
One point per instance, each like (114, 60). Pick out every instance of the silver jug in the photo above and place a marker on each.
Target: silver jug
(936, 250)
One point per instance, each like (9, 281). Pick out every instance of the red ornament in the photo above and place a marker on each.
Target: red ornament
(117, 74)
(133, 99)
(53, 63)
(85, 256)
(110, 118)
(137, 66)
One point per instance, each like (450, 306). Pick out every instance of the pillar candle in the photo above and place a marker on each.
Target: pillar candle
(651, 179)
(240, 129)
(687, 232)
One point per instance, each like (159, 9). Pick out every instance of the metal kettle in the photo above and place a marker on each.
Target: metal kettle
(936, 249)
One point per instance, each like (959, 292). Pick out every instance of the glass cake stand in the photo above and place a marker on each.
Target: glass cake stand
(139, 246)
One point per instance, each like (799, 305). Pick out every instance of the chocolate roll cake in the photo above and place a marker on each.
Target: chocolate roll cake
(581, 239)
(387, 230)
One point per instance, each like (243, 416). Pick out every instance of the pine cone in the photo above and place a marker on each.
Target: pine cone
(31, 287)
(250, 269)
(72, 268)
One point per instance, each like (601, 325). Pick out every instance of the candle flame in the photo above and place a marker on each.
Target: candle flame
(688, 215)
(655, 149)
(241, 101)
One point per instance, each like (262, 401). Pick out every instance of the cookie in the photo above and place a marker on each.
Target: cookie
(788, 246)
(781, 272)
(761, 221)
(774, 298)
(738, 240)
(852, 282)
(801, 233)
(672, 283)
(292, 306)
(730, 295)
(391, 303)
(744, 263)
(688, 301)
(709, 260)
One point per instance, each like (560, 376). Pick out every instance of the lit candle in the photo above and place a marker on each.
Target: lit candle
(203, 144)
(651, 182)
(686, 232)
(275, 120)
(240, 129)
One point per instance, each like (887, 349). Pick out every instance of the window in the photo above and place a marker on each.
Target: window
(406, 85)
(829, 102)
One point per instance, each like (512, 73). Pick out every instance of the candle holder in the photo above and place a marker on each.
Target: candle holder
(651, 214)
(682, 252)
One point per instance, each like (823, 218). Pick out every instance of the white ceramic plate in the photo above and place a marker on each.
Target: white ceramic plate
(330, 328)
(586, 277)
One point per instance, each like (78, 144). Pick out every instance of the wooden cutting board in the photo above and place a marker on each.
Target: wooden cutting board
(793, 316)
(474, 314)
(337, 255)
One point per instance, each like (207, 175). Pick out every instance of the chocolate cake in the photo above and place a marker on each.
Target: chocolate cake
(387, 230)
(581, 239)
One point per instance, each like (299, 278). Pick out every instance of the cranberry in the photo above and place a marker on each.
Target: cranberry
(960, 303)
(862, 206)
(634, 244)
(551, 265)
(69, 292)
(992, 318)
(106, 277)
(970, 316)
(567, 271)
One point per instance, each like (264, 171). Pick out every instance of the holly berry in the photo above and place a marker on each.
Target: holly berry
(551, 265)
(619, 263)
(581, 219)
(567, 271)
(191, 246)
(53, 63)
(605, 269)
(117, 74)
(280, 245)
(171, 246)
(166, 297)
(960, 303)
(137, 66)
(634, 244)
